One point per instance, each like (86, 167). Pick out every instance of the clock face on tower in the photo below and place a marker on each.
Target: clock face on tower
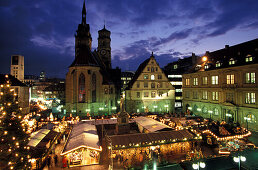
(103, 52)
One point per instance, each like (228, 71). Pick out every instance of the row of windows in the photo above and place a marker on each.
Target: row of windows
(152, 69)
(153, 85)
(153, 94)
(126, 78)
(231, 61)
(152, 77)
(230, 79)
(249, 97)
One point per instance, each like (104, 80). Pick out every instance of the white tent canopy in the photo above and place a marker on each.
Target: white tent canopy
(82, 135)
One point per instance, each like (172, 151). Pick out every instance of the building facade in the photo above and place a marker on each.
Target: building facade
(174, 72)
(17, 67)
(89, 85)
(150, 90)
(126, 77)
(223, 85)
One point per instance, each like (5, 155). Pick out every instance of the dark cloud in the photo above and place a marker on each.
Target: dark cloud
(43, 31)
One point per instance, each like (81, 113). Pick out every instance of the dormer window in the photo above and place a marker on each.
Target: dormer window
(175, 66)
(248, 58)
(206, 66)
(198, 67)
(218, 64)
(232, 61)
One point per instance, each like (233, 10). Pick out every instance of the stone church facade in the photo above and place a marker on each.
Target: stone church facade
(90, 88)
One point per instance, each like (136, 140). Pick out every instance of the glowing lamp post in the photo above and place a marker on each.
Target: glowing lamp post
(204, 58)
(247, 119)
(238, 160)
(198, 165)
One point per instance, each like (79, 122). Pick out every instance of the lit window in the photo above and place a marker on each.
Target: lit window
(232, 61)
(215, 95)
(174, 76)
(146, 94)
(206, 66)
(204, 95)
(175, 66)
(187, 82)
(230, 79)
(176, 82)
(250, 77)
(214, 79)
(251, 118)
(195, 83)
(178, 90)
(138, 94)
(218, 64)
(205, 80)
(248, 58)
(250, 98)
(153, 94)
(146, 76)
(216, 111)
(152, 77)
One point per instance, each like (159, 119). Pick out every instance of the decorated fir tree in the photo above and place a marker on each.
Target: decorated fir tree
(14, 152)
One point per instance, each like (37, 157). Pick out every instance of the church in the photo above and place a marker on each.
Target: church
(92, 86)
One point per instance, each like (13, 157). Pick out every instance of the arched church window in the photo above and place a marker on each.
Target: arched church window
(93, 81)
(82, 92)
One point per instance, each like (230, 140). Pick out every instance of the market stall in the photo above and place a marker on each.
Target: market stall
(82, 146)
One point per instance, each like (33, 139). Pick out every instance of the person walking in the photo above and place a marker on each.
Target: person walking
(56, 160)
(48, 161)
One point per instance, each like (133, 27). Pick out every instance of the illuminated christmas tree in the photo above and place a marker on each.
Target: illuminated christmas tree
(14, 152)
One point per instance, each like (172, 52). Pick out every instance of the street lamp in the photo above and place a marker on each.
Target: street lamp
(247, 119)
(198, 165)
(238, 159)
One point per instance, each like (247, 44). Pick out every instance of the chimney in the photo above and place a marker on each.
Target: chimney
(193, 58)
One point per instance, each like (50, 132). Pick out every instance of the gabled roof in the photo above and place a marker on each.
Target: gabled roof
(14, 81)
(138, 72)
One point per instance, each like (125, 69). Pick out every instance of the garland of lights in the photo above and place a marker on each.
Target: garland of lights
(14, 152)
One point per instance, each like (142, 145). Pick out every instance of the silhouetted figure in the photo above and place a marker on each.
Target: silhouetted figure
(55, 160)
(48, 161)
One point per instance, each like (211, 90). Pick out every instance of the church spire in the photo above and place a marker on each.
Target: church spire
(84, 14)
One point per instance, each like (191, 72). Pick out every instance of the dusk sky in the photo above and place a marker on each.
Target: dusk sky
(43, 30)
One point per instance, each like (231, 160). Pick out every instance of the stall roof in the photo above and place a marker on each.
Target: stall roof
(142, 138)
(150, 124)
(82, 135)
(35, 139)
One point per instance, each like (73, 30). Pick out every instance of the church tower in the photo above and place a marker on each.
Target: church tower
(82, 37)
(104, 48)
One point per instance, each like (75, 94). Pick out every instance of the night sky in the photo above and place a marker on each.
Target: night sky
(43, 30)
